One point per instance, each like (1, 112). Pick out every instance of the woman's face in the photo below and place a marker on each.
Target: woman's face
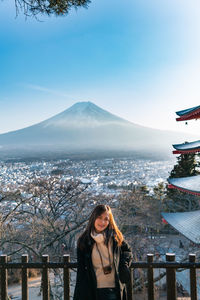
(102, 222)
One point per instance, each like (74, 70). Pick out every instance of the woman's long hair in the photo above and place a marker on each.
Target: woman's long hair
(111, 229)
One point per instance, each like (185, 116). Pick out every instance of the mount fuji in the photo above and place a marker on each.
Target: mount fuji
(85, 126)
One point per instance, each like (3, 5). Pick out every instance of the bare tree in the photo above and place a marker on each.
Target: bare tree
(140, 219)
(138, 211)
(44, 216)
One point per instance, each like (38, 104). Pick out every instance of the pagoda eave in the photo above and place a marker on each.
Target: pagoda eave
(171, 186)
(186, 151)
(189, 114)
(186, 223)
(185, 148)
(189, 184)
(189, 118)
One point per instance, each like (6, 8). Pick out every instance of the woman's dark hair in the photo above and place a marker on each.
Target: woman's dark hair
(112, 228)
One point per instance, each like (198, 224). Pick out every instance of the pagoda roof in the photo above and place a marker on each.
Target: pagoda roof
(187, 223)
(189, 185)
(188, 114)
(186, 147)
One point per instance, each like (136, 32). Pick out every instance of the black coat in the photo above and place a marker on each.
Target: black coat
(86, 283)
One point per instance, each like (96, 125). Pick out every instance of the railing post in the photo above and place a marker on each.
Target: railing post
(45, 277)
(24, 277)
(171, 278)
(193, 278)
(66, 277)
(4, 278)
(150, 277)
(130, 286)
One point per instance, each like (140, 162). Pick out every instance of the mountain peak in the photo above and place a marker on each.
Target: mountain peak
(83, 104)
(83, 114)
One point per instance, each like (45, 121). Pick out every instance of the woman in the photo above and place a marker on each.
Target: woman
(103, 259)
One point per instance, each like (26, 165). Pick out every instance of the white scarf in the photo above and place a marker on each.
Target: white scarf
(108, 280)
(98, 237)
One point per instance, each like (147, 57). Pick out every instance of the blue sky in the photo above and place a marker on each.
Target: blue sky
(137, 59)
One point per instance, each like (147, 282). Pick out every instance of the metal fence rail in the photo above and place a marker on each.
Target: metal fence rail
(170, 265)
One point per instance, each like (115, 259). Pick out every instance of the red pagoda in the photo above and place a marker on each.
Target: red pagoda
(188, 114)
(187, 223)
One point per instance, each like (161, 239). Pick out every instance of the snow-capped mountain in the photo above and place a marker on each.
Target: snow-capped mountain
(83, 114)
(85, 126)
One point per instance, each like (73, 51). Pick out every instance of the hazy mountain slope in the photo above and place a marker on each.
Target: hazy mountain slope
(86, 126)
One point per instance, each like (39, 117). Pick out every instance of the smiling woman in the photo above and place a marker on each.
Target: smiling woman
(103, 259)
(49, 7)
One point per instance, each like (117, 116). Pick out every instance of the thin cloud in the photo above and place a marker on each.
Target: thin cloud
(47, 90)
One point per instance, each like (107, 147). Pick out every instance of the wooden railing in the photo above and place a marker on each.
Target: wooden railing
(170, 265)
